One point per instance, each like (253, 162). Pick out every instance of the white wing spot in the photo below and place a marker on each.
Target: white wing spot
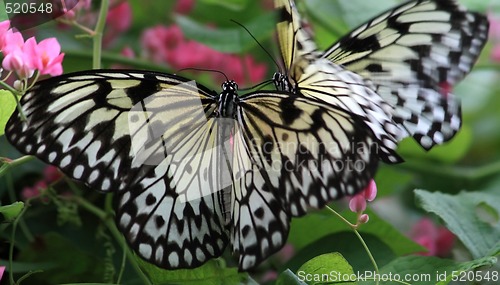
(78, 171)
(145, 250)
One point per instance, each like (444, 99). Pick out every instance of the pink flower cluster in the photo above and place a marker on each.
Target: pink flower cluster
(357, 204)
(437, 239)
(494, 35)
(168, 45)
(50, 175)
(184, 6)
(118, 21)
(25, 57)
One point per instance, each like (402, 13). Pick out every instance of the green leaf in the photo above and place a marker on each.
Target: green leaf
(235, 5)
(231, 40)
(449, 153)
(287, 277)
(331, 265)
(461, 216)
(3, 14)
(9, 212)
(348, 244)
(424, 270)
(333, 19)
(323, 223)
(391, 179)
(7, 107)
(71, 263)
(25, 267)
(211, 273)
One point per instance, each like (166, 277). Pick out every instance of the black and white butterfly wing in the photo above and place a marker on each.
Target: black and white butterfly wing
(413, 54)
(292, 153)
(151, 139)
(312, 76)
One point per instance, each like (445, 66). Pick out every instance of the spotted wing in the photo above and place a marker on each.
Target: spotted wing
(315, 77)
(413, 54)
(148, 137)
(292, 153)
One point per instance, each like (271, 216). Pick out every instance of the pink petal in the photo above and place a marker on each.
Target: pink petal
(357, 204)
(495, 53)
(50, 46)
(51, 174)
(363, 219)
(370, 191)
(119, 17)
(11, 41)
(31, 51)
(4, 27)
(444, 242)
(428, 243)
(424, 227)
(2, 270)
(184, 6)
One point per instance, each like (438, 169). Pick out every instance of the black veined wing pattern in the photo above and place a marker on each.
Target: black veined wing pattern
(308, 74)
(192, 170)
(414, 54)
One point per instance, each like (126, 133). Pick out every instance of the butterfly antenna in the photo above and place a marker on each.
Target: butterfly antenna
(257, 86)
(269, 54)
(203, 69)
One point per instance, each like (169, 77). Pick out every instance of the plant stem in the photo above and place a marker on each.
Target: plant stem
(375, 266)
(98, 32)
(341, 217)
(13, 238)
(12, 198)
(105, 217)
(8, 87)
(110, 223)
(354, 229)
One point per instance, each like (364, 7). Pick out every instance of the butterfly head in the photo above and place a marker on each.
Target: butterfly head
(226, 99)
(229, 86)
(281, 82)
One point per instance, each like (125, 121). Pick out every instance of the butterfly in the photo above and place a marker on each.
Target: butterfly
(192, 170)
(401, 63)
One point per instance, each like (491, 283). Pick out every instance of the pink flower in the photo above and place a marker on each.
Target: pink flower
(269, 276)
(160, 40)
(167, 44)
(51, 174)
(495, 53)
(36, 190)
(128, 52)
(494, 35)
(256, 72)
(46, 56)
(357, 204)
(4, 27)
(2, 270)
(184, 6)
(119, 17)
(11, 41)
(370, 191)
(438, 240)
(16, 60)
(445, 88)
(364, 218)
